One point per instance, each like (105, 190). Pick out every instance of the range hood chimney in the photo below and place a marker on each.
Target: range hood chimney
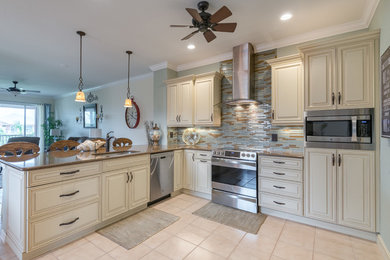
(243, 75)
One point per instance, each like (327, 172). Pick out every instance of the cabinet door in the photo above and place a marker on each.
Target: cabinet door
(178, 170)
(356, 189)
(320, 184)
(185, 103)
(356, 75)
(139, 185)
(204, 101)
(115, 193)
(203, 176)
(287, 94)
(172, 109)
(320, 76)
(188, 175)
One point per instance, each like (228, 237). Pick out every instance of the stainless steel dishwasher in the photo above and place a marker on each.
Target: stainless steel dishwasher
(161, 175)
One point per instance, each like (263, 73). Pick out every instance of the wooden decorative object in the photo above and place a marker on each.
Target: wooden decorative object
(121, 142)
(63, 145)
(18, 149)
(98, 139)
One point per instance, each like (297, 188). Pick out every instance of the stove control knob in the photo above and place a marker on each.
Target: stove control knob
(253, 155)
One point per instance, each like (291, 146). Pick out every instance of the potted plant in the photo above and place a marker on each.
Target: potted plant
(49, 124)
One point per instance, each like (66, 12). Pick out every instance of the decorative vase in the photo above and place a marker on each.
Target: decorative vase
(155, 135)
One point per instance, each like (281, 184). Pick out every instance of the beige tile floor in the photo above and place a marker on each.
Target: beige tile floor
(192, 237)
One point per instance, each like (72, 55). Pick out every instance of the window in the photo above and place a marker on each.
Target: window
(17, 120)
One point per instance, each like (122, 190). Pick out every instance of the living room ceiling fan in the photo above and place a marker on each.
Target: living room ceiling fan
(15, 90)
(207, 23)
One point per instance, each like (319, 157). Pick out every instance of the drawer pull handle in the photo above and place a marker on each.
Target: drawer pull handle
(68, 173)
(279, 173)
(132, 177)
(202, 154)
(69, 223)
(69, 194)
(279, 203)
(279, 187)
(279, 162)
(203, 161)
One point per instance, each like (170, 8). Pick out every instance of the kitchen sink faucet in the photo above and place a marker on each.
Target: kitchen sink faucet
(108, 138)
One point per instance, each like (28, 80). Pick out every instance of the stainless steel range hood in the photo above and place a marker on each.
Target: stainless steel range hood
(243, 75)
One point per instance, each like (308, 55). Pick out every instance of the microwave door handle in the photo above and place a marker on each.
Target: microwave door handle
(354, 129)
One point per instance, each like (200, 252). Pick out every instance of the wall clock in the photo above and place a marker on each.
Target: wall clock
(132, 115)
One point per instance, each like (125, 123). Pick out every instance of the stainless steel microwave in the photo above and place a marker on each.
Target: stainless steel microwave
(343, 129)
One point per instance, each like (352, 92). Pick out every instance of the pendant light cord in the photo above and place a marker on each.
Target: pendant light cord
(81, 84)
(128, 74)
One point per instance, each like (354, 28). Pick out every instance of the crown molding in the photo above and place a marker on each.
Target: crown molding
(162, 65)
(107, 85)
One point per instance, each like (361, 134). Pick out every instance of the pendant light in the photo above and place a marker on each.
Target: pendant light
(128, 102)
(80, 97)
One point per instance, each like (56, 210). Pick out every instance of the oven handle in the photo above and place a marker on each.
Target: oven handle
(238, 164)
(354, 129)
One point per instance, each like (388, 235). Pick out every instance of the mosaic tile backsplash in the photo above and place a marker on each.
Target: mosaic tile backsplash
(248, 126)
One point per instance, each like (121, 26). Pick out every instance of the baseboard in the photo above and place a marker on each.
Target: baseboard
(383, 247)
(197, 194)
(2, 236)
(317, 223)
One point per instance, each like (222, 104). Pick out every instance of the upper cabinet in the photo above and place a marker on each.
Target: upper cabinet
(341, 74)
(180, 100)
(287, 90)
(208, 99)
(194, 100)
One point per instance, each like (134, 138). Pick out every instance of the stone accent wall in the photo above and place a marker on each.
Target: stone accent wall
(248, 126)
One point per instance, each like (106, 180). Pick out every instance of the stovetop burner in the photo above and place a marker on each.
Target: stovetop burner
(235, 154)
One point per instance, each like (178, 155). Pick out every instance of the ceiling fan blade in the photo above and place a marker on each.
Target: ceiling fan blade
(209, 35)
(174, 25)
(30, 91)
(225, 27)
(194, 13)
(221, 14)
(190, 35)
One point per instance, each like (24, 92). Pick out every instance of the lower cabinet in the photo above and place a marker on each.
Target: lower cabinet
(189, 169)
(125, 189)
(115, 193)
(178, 170)
(203, 176)
(340, 187)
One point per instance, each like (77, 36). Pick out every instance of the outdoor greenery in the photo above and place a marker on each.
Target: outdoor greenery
(50, 123)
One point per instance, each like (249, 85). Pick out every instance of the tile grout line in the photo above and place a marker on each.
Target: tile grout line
(314, 242)
(277, 240)
(237, 245)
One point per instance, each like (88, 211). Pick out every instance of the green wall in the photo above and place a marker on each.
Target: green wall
(199, 70)
(381, 21)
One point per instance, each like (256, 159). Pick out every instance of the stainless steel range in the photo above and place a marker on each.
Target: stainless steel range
(234, 179)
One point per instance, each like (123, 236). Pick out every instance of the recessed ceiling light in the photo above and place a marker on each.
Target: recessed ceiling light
(191, 46)
(286, 16)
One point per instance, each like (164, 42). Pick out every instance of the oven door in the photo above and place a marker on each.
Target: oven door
(235, 176)
(338, 129)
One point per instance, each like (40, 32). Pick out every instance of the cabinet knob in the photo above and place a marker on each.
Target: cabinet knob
(212, 117)
(339, 160)
(339, 97)
(333, 97)
(333, 159)
(273, 114)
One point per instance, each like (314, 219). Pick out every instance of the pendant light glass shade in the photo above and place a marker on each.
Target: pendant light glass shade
(80, 96)
(128, 101)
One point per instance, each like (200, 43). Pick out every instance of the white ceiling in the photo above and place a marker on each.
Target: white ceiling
(39, 45)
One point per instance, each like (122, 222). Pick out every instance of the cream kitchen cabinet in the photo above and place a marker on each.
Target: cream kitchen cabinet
(340, 74)
(340, 187)
(139, 185)
(202, 172)
(180, 100)
(208, 99)
(189, 169)
(287, 90)
(178, 170)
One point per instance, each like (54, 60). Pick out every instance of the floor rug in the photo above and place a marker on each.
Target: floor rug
(135, 229)
(243, 220)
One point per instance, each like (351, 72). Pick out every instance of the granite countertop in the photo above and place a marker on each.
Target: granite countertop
(60, 158)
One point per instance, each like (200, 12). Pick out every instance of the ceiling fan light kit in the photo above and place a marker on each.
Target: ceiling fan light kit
(80, 96)
(207, 23)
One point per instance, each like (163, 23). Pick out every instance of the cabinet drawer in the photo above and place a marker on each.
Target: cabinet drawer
(286, 188)
(281, 162)
(125, 162)
(51, 229)
(205, 155)
(282, 174)
(56, 174)
(281, 203)
(54, 197)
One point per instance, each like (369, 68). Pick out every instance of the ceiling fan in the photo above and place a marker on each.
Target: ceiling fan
(207, 23)
(15, 90)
